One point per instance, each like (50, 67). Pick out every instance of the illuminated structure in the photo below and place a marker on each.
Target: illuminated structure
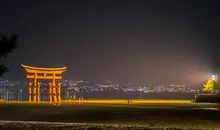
(211, 84)
(36, 73)
(214, 77)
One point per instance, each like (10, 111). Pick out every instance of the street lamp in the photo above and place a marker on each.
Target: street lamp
(20, 94)
(7, 96)
(213, 77)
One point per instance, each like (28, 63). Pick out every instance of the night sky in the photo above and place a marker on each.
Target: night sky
(139, 42)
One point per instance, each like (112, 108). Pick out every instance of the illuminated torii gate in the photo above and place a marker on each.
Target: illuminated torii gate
(44, 73)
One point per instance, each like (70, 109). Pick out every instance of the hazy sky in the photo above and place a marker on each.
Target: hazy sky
(123, 41)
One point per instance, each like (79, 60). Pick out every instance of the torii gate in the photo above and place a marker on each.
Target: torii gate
(44, 73)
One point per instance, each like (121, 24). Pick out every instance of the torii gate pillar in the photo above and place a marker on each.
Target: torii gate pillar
(36, 73)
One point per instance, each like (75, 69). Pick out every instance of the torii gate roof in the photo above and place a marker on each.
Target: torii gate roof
(40, 70)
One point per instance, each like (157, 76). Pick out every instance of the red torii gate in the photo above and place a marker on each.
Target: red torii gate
(36, 73)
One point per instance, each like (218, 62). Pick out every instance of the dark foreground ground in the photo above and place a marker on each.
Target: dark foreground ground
(127, 116)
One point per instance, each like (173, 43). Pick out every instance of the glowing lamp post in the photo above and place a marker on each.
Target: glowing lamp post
(213, 77)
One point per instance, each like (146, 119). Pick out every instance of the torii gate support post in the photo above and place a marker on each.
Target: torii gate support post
(38, 92)
(54, 92)
(59, 94)
(35, 87)
(50, 92)
(49, 73)
(54, 89)
(30, 92)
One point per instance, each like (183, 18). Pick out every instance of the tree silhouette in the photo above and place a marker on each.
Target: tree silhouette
(7, 45)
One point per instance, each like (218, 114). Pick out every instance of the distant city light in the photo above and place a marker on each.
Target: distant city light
(87, 86)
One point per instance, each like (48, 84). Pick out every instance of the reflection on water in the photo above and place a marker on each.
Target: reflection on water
(213, 109)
